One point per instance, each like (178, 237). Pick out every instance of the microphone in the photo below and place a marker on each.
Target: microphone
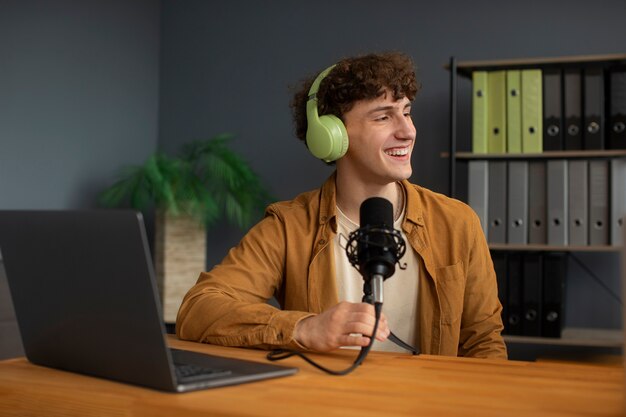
(375, 247)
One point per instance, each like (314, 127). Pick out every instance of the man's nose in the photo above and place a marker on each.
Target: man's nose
(405, 128)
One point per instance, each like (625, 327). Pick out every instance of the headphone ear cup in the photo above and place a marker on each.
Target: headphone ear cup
(327, 137)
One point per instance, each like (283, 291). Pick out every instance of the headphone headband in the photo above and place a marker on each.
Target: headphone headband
(318, 80)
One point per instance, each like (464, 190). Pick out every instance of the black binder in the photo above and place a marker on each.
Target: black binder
(531, 294)
(552, 112)
(593, 135)
(514, 299)
(572, 102)
(617, 124)
(499, 265)
(554, 273)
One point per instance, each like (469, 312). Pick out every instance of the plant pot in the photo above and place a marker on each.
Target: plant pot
(180, 256)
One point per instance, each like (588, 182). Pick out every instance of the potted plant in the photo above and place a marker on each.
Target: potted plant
(206, 183)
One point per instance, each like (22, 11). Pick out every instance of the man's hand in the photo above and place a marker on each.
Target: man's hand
(340, 326)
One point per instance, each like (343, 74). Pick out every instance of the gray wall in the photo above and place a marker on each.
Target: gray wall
(78, 97)
(78, 100)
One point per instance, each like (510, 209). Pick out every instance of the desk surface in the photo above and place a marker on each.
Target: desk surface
(385, 385)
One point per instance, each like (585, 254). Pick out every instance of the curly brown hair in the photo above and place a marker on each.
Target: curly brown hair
(352, 79)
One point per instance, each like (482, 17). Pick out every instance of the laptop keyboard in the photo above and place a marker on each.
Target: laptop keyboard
(191, 373)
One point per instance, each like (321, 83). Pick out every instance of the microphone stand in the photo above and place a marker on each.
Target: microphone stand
(373, 294)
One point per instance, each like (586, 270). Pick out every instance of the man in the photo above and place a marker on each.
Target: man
(445, 301)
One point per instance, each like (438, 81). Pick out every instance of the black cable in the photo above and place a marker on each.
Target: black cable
(404, 345)
(280, 354)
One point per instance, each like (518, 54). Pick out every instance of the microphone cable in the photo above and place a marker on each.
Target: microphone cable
(280, 354)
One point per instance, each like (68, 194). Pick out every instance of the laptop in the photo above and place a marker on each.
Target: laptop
(86, 301)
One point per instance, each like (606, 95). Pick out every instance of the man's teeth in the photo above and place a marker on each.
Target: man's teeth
(397, 152)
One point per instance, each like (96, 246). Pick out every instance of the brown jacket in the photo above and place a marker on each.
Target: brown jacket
(289, 255)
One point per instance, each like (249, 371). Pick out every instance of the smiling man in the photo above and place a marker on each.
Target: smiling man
(445, 301)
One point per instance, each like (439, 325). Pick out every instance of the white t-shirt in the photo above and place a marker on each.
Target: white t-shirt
(399, 290)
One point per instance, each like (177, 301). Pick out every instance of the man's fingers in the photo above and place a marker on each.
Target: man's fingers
(346, 324)
(353, 340)
(366, 329)
(369, 319)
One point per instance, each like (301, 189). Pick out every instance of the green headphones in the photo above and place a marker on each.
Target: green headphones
(326, 136)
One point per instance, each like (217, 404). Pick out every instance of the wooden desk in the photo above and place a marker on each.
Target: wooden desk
(385, 385)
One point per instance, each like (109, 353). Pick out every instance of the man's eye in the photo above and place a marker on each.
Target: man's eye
(382, 118)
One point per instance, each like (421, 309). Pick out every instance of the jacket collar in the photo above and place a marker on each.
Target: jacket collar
(328, 204)
(413, 205)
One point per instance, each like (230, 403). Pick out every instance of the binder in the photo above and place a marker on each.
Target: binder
(514, 321)
(618, 201)
(479, 112)
(552, 124)
(532, 126)
(572, 101)
(554, 273)
(598, 202)
(514, 111)
(531, 294)
(537, 229)
(593, 136)
(517, 204)
(478, 173)
(557, 201)
(499, 266)
(578, 202)
(496, 209)
(617, 123)
(496, 112)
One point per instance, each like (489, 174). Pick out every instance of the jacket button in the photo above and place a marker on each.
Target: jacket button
(324, 218)
(321, 242)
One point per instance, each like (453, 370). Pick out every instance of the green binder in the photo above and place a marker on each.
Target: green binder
(514, 111)
(479, 112)
(532, 112)
(496, 112)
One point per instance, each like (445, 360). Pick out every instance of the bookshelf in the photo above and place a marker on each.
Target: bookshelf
(570, 336)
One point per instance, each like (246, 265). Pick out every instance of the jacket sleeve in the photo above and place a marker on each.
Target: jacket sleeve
(228, 305)
(481, 322)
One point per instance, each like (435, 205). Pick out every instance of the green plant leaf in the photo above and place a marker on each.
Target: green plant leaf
(209, 181)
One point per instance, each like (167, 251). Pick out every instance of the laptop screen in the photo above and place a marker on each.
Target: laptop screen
(85, 297)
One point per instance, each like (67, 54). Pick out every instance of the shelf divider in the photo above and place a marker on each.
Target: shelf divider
(553, 248)
(572, 336)
(609, 153)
